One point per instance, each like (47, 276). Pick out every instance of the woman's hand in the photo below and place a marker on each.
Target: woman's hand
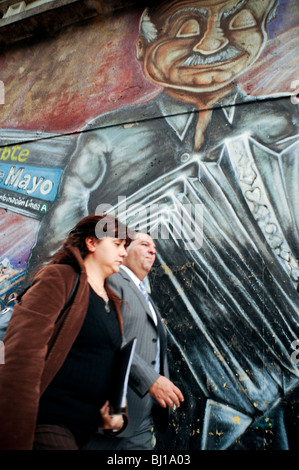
(110, 421)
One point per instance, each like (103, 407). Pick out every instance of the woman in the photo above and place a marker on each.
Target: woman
(56, 375)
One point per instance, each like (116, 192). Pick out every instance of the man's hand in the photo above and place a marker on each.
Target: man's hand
(166, 393)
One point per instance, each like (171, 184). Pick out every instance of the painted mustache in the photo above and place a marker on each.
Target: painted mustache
(229, 53)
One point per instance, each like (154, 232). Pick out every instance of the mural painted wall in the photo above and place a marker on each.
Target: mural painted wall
(182, 117)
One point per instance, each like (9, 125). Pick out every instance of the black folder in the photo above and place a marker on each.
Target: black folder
(120, 376)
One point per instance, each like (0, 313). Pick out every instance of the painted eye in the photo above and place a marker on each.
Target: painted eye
(244, 19)
(189, 28)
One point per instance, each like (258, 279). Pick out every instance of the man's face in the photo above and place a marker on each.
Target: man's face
(141, 255)
(204, 45)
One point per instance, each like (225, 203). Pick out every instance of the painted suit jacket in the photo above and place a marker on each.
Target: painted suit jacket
(232, 301)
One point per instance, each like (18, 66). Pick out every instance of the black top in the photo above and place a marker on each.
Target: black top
(81, 386)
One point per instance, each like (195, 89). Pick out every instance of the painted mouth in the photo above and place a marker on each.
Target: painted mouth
(226, 55)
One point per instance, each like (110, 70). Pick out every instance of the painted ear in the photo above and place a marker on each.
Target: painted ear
(140, 48)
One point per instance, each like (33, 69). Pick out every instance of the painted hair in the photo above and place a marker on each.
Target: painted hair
(147, 26)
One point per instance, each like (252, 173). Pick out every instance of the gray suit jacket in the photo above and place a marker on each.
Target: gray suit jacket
(138, 322)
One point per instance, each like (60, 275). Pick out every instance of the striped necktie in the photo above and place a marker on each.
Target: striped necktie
(144, 293)
(161, 333)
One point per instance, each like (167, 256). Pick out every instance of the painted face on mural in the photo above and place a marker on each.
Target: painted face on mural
(202, 45)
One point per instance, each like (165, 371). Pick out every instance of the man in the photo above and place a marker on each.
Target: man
(150, 392)
(235, 312)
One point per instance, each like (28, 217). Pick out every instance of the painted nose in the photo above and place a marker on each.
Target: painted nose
(213, 40)
(210, 46)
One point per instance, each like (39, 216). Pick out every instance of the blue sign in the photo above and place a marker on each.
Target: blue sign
(33, 181)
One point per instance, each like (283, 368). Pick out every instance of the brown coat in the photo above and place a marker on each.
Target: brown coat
(30, 364)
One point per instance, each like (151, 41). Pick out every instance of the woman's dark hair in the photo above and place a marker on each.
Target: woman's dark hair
(97, 226)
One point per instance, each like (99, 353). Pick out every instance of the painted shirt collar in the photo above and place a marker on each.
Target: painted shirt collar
(180, 115)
